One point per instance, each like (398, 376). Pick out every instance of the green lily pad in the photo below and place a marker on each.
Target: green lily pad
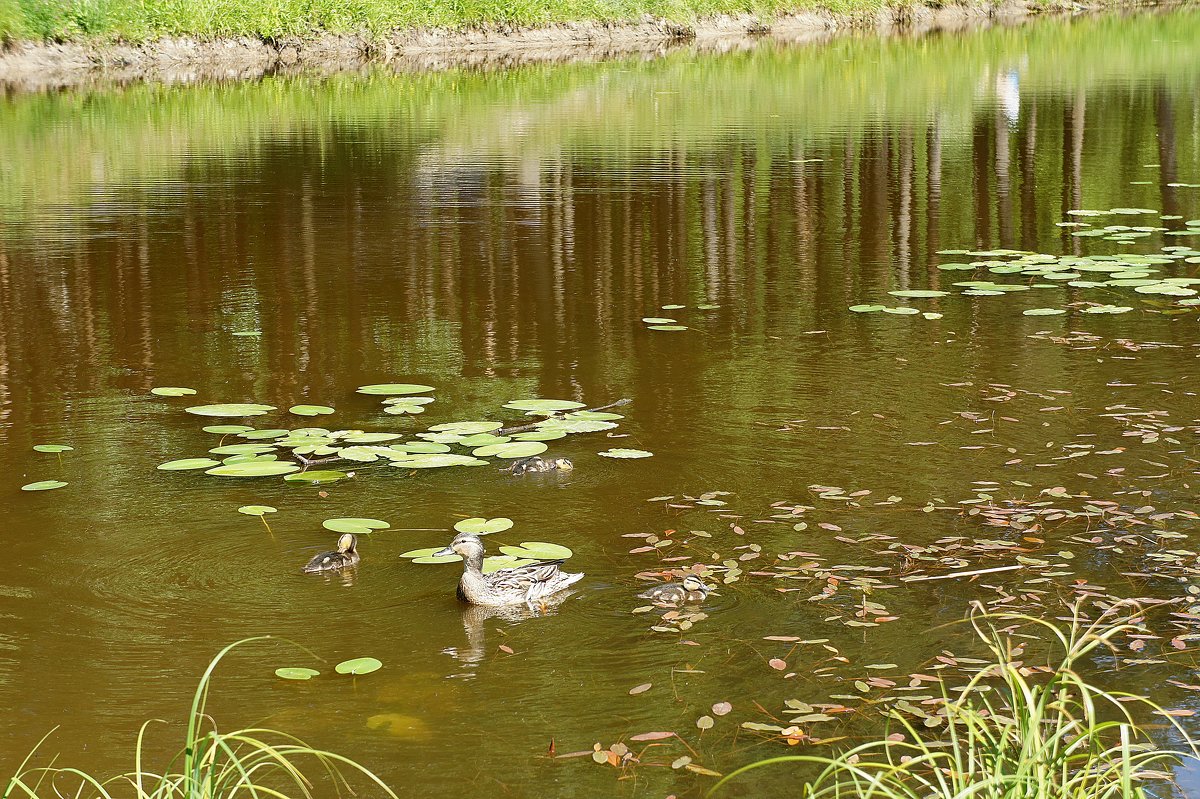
(931, 314)
(424, 447)
(230, 409)
(227, 429)
(543, 405)
(358, 666)
(317, 476)
(242, 449)
(408, 400)
(254, 468)
(466, 428)
(370, 438)
(350, 524)
(172, 391)
(481, 526)
(188, 463)
(538, 550)
(247, 333)
(394, 389)
(708, 306)
(1108, 309)
(672, 307)
(512, 449)
(398, 410)
(919, 293)
(436, 461)
(310, 410)
(667, 327)
(540, 435)
(593, 416)
(427, 556)
(52, 448)
(290, 673)
(867, 308)
(576, 425)
(625, 453)
(257, 510)
(1043, 311)
(902, 311)
(658, 320)
(43, 485)
(483, 440)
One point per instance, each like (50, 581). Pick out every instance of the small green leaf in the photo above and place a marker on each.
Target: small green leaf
(349, 524)
(52, 448)
(253, 468)
(310, 410)
(358, 666)
(43, 485)
(289, 673)
(257, 510)
(544, 406)
(481, 526)
(317, 476)
(172, 391)
(394, 389)
(188, 463)
(230, 409)
(625, 453)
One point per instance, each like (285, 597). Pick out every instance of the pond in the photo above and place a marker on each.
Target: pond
(500, 235)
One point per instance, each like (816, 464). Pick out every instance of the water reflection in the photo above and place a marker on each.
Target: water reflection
(501, 234)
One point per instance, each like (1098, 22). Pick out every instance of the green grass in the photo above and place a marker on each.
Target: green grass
(140, 20)
(1011, 733)
(255, 762)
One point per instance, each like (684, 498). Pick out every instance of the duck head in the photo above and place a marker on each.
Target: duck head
(347, 544)
(694, 583)
(563, 465)
(466, 546)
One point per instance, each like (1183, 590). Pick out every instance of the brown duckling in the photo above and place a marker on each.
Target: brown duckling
(345, 556)
(539, 465)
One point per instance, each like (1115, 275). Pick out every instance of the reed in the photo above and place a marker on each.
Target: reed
(1012, 733)
(253, 762)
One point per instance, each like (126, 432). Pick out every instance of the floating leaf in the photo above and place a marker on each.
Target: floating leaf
(423, 447)
(242, 449)
(867, 308)
(481, 526)
(467, 428)
(52, 448)
(625, 453)
(667, 327)
(538, 550)
(317, 476)
(254, 468)
(371, 438)
(640, 689)
(43, 485)
(230, 409)
(247, 333)
(421, 461)
(290, 673)
(427, 556)
(257, 510)
(919, 293)
(350, 524)
(263, 435)
(672, 307)
(188, 463)
(310, 410)
(394, 389)
(358, 666)
(902, 310)
(227, 429)
(658, 320)
(172, 391)
(513, 449)
(1043, 311)
(544, 434)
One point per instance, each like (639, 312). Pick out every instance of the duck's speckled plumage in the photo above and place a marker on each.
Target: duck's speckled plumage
(521, 585)
(345, 556)
(539, 465)
(692, 589)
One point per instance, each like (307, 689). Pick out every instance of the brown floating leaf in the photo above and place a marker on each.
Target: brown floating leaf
(652, 736)
(777, 664)
(721, 708)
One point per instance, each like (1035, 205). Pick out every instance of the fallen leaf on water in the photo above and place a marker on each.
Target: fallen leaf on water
(640, 689)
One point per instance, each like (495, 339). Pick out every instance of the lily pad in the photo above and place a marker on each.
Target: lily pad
(242, 449)
(1043, 311)
(902, 310)
(257, 510)
(394, 389)
(188, 463)
(466, 428)
(667, 327)
(427, 556)
(358, 666)
(481, 526)
(371, 438)
(625, 453)
(230, 409)
(424, 447)
(52, 448)
(538, 550)
(867, 308)
(290, 673)
(350, 524)
(227, 429)
(317, 476)
(543, 405)
(436, 461)
(43, 485)
(919, 293)
(512, 449)
(310, 410)
(172, 391)
(254, 468)
(658, 320)
(576, 425)
(263, 435)
(540, 435)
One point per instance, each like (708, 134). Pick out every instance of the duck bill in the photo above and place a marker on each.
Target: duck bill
(445, 553)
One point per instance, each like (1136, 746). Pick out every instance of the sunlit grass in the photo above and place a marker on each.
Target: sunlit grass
(252, 762)
(1013, 732)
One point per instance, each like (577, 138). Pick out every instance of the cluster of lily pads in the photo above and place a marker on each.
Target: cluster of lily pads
(259, 452)
(1111, 273)
(667, 323)
(353, 667)
(511, 556)
(48, 485)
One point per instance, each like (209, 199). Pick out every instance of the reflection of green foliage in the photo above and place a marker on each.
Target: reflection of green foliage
(61, 147)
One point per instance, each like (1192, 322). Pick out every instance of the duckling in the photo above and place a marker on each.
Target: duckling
(346, 555)
(529, 584)
(692, 589)
(537, 465)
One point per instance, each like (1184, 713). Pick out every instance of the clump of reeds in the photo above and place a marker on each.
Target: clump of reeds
(256, 762)
(1013, 732)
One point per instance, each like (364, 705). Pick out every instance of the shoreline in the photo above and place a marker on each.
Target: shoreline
(41, 65)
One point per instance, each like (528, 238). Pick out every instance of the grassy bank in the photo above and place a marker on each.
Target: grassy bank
(139, 21)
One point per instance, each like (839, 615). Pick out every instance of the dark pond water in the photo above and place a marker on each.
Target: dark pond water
(500, 235)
